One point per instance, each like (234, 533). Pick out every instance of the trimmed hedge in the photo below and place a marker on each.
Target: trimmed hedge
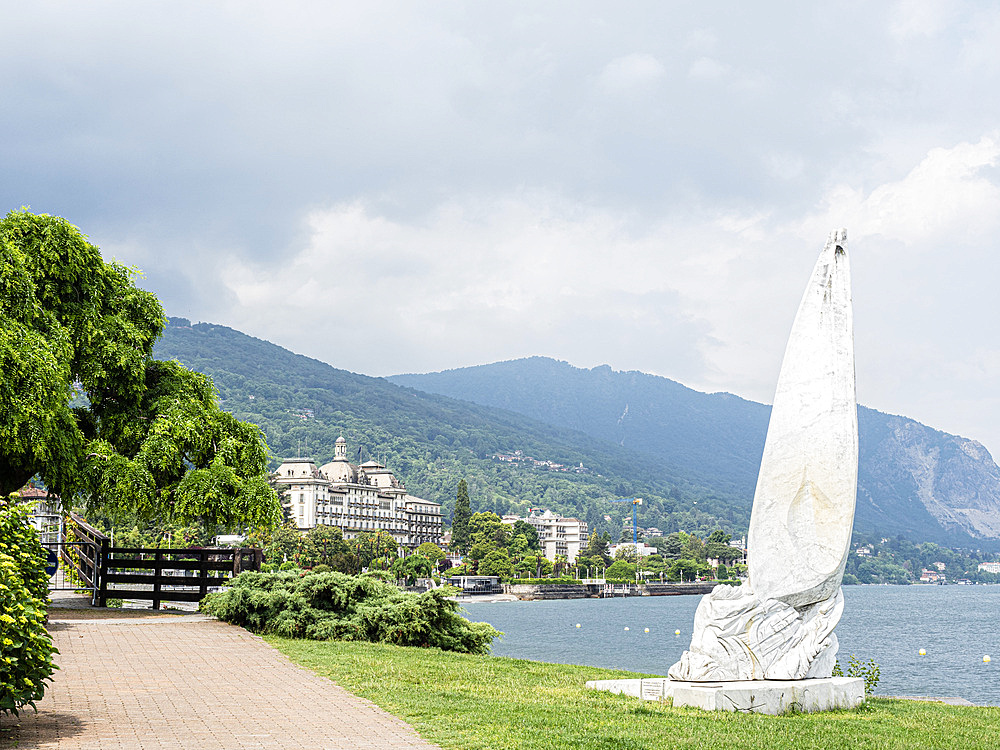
(336, 606)
(25, 646)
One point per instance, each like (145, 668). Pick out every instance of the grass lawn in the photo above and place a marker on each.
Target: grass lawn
(484, 702)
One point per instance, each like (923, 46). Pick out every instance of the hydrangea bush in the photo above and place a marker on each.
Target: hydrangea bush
(25, 646)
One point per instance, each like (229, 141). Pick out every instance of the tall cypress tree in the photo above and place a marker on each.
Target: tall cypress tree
(460, 520)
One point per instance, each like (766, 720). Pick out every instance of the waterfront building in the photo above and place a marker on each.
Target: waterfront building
(990, 567)
(556, 535)
(356, 498)
(932, 576)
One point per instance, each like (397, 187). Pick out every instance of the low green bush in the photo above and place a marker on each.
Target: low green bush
(869, 671)
(336, 606)
(25, 646)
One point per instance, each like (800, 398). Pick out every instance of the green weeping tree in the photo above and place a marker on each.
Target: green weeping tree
(85, 406)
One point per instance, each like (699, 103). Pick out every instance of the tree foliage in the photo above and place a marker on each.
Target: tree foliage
(413, 567)
(460, 535)
(432, 552)
(86, 406)
(376, 548)
(529, 532)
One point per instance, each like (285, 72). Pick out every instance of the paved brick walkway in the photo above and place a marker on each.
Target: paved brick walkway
(192, 683)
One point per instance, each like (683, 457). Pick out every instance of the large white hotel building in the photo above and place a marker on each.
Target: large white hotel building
(556, 535)
(367, 497)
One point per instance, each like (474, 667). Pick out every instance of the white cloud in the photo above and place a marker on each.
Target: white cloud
(945, 196)
(524, 274)
(708, 68)
(638, 70)
(920, 18)
(703, 296)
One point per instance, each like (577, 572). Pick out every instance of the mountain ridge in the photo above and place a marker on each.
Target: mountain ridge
(913, 480)
(432, 441)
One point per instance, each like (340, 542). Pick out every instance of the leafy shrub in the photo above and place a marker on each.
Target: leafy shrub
(288, 565)
(336, 606)
(25, 646)
(321, 568)
(869, 671)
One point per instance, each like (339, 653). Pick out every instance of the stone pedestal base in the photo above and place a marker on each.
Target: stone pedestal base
(757, 696)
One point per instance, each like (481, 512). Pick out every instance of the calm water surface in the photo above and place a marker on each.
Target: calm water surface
(956, 625)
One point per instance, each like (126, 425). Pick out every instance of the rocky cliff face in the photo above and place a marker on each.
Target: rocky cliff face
(915, 473)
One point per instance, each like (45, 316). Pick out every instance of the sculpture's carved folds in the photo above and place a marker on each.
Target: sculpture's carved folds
(780, 624)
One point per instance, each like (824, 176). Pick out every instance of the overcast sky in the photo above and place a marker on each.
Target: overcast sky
(404, 187)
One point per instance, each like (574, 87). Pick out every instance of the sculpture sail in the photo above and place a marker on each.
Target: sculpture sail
(803, 508)
(779, 624)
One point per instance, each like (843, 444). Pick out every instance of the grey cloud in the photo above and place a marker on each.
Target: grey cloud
(195, 139)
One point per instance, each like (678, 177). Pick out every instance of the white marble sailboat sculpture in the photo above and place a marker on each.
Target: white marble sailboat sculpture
(779, 624)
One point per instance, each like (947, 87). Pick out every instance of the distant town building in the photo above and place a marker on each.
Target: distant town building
(932, 576)
(990, 567)
(355, 498)
(556, 535)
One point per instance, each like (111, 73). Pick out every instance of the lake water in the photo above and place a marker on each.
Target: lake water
(956, 625)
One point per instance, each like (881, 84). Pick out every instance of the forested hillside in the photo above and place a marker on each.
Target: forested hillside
(913, 480)
(432, 441)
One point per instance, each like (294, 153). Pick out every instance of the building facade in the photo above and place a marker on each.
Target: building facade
(556, 535)
(356, 498)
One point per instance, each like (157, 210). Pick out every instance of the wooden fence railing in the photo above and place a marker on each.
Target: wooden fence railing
(82, 551)
(173, 575)
(153, 574)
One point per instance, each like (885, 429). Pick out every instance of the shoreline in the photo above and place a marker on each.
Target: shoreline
(544, 591)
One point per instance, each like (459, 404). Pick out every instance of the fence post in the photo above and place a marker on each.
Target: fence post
(202, 573)
(157, 572)
(100, 572)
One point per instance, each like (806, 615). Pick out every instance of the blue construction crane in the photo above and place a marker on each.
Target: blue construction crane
(635, 501)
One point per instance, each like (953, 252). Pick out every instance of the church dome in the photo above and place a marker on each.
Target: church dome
(338, 471)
